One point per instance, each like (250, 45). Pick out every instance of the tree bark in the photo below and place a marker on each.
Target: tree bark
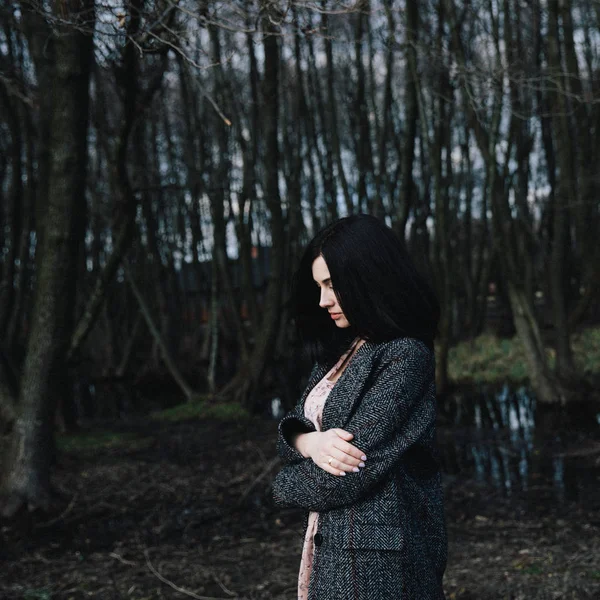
(26, 480)
(133, 105)
(364, 158)
(564, 197)
(14, 322)
(441, 193)
(332, 115)
(129, 345)
(542, 379)
(8, 393)
(218, 196)
(14, 212)
(246, 385)
(154, 330)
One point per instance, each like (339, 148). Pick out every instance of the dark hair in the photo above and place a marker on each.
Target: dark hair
(376, 283)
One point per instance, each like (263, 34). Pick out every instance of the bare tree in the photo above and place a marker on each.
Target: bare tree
(25, 479)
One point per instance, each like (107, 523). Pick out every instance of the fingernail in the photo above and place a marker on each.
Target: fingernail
(355, 469)
(363, 457)
(342, 472)
(361, 464)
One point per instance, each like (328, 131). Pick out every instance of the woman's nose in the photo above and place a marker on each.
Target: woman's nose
(326, 298)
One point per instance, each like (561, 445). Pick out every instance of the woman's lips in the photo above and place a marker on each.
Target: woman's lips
(335, 315)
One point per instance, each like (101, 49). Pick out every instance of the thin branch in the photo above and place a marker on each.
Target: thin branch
(174, 586)
(63, 514)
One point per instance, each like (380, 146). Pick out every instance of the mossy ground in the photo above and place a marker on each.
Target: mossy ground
(221, 411)
(489, 359)
(90, 441)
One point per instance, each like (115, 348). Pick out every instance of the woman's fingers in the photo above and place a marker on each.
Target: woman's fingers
(346, 461)
(345, 446)
(350, 450)
(334, 454)
(345, 457)
(333, 466)
(345, 435)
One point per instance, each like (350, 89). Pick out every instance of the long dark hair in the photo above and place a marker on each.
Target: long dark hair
(376, 283)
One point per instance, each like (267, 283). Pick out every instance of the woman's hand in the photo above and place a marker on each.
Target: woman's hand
(331, 450)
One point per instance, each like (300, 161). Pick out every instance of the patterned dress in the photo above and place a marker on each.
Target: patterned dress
(313, 410)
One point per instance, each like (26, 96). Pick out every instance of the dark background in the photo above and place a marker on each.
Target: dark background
(162, 166)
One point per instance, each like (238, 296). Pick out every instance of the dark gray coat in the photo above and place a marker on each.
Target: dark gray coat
(381, 532)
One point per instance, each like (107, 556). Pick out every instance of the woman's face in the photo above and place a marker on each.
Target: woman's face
(328, 299)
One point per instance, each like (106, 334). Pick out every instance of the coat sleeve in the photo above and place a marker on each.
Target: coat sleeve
(397, 412)
(292, 423)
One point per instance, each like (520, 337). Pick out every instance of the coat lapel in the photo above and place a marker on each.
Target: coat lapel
(348, 389)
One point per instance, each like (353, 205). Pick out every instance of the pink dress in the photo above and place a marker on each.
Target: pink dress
(313, 410)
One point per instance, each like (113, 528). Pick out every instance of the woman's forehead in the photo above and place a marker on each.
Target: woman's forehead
(320, 271)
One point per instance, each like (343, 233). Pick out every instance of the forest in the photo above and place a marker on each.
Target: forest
(163, 164)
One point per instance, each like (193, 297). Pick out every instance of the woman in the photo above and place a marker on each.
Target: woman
(360, 445)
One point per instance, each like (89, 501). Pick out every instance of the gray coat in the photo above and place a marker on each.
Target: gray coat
(381, 532)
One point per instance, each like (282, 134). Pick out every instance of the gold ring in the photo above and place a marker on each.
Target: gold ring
(330, 459)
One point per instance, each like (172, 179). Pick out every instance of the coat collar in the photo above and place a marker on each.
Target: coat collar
(348, 389)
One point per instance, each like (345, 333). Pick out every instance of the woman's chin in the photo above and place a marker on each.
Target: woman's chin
(342, 324)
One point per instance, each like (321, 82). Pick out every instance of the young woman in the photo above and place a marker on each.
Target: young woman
(359, 447)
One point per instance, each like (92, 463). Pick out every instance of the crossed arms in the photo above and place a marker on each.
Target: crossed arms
(396, 413)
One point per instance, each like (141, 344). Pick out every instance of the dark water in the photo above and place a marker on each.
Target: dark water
(499, 437)
(505, 439)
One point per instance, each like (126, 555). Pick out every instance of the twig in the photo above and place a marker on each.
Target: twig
(259, 451)
(272, 463)
(222, 585)
(63, 514)
(176, 587)
(122, 560)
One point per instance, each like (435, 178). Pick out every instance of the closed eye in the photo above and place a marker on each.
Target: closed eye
(327, 283)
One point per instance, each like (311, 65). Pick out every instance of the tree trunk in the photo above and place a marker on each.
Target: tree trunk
(41, 49)
(158, 338)
(332, 115)
(218, 196)
(133, 108)
(129, 345)
(213, 331)
(565, 196)
(543, 382)
(24, 241)
(364, 159)
(8, 394)
(441, 192)
(246, 385)
(26, 480)
(386, 184)
(411, 109)
(14, 212)
(311, 109)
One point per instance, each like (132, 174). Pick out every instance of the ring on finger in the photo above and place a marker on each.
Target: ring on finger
(329, 461)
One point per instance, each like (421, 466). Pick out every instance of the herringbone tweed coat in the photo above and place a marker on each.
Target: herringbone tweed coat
(381, 532)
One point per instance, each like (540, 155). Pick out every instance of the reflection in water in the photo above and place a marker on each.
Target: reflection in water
(504, 439)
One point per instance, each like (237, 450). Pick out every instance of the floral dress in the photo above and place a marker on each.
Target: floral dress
(313, 410)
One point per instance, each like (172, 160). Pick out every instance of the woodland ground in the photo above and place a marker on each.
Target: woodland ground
(488, 359)
(158, 506)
